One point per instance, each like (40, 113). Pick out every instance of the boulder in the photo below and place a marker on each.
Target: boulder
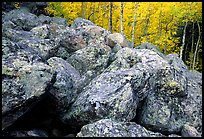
(173, 103)
(152, 47)
(80, 22)
(59, 21)
(117, 92)
(41, 31)
(116, 38)
(189, 131)
(22, 88)
(66, 83)
(90, 61)
(110, 128)
(22, 18)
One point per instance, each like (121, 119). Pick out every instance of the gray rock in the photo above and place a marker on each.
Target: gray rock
(189, 131)
(44, 19)
(111, 128)
(17, 35)
(59, 21)
(65, 87)
(8, 24)
(90, 61)
(22, 18)
(152, 47)
(45, 47)
(93, 34)
(80, 22)
(175, 101)
(107, 96)
(116, 38)
(21, 88)
(41, 31)
(72, 41)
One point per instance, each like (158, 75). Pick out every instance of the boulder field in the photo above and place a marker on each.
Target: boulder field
(81, 80)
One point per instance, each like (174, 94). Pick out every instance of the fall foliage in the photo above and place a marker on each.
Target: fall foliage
(175, 27)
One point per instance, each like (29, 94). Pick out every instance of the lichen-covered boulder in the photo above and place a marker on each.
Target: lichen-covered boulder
(72, 41)
(45, 47)
(93, 34)
(90, 61)
(80, 22)
(116, 38)
(124, 59)
(109, 95)
(21, 88)
(59, 21)
(41, 31)
(16, 35)
(189, 131)
(116, 92)
(176, 100)
(24, 80)
(43, 19)
(66, 82)
(111, 128)
(152, 47)
(9, 25)
(22, 18)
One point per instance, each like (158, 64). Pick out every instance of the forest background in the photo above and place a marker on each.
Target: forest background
(174, 27)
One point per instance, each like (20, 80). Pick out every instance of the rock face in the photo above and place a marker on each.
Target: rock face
(81, 80)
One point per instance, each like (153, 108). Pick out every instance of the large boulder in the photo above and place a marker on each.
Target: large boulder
(22, 18)
(90, 61)
(116, 93)
(111, 128)
(175, 101)
(152, 47)
(22, 86)
(66, 83)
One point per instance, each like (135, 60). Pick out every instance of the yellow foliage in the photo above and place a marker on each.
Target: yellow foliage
(156, 22)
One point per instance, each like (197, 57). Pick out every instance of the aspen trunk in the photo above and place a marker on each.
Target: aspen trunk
(183, 40)
(121, 17)
(82, 10)
(197, 44)
(160, 24)
(192, 44)
(110, 18)
(133, 25)
(94, 13)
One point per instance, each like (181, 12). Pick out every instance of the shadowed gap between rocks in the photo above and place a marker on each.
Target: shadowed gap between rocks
(43, 116)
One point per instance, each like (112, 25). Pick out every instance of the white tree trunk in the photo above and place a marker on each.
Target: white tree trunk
(121, 17)
(82, 10)
(192, 44)
(183, 40)
(197, 44)
(133, 25)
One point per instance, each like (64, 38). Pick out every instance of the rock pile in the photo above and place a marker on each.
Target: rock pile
(81, 80)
